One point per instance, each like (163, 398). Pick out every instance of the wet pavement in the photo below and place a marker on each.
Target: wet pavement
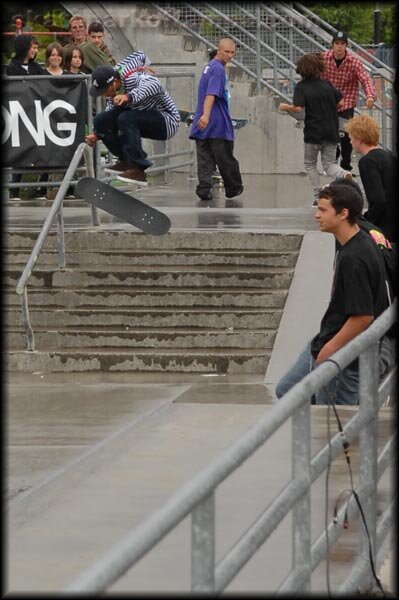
(269, 202)
(92, 455)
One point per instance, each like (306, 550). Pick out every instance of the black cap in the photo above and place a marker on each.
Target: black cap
(340, 36)
(101, 78)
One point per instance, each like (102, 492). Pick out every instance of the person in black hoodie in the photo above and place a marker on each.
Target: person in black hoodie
(23, 63)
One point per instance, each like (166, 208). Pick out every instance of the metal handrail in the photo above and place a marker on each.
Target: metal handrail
(197, 497)
(55, 211)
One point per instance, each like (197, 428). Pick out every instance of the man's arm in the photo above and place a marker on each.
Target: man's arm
(351, 328)
(367, 85)
(283, 106)
(206, 114)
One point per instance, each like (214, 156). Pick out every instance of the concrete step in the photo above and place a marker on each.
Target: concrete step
(201, 360)
(168, 277)
(101, 239)
(216, 318)
(167, 337)
(119, 297)
(245, 258)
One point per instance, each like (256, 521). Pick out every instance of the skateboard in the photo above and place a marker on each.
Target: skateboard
(187, 118)
(300, 116)
(123, 206)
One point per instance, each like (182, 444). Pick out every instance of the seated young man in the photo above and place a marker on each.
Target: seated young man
(358, 295)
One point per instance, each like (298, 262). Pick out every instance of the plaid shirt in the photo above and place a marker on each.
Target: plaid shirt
(346, 78)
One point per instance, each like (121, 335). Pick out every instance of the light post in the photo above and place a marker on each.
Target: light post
(377, 24)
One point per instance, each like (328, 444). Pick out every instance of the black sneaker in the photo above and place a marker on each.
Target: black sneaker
(205, 196)
(235, 192)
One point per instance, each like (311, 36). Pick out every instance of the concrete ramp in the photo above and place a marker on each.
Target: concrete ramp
(98, 454)
(306, 303)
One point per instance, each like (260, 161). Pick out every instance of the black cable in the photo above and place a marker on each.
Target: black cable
(345, 445)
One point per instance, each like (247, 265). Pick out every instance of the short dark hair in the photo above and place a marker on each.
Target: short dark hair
(352, 184)
(95, 27)
(344, 196)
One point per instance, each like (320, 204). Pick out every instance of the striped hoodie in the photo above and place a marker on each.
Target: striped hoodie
(145, 92)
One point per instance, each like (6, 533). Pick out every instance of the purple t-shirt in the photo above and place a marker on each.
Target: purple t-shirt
(213, 82)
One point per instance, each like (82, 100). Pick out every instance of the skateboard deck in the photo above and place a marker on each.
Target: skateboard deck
(187, 118)
(123, 206)
(300, 116)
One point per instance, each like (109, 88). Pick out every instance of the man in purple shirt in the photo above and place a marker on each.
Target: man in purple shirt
(212, 128)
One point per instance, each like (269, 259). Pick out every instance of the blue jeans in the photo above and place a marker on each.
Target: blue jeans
(342, 389)
(121, 130)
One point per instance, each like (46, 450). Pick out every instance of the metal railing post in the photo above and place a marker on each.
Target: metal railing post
(26, 321)
(60, 238)
(167, 142)
(301, 520)
(192, 142)
(368, 449)
(203, 546)
(258, 52)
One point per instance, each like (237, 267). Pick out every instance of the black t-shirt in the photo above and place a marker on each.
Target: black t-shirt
(358, 288)
(378, 172)
(320, 99)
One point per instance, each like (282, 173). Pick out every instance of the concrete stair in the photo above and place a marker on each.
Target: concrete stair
(187, 301)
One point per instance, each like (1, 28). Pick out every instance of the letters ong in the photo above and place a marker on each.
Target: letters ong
(43, 121)
(17, 112)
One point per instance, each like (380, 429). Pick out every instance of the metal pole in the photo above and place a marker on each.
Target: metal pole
(203, 546)
(258, 62)
(26, 321)
(167, 142)
(301, 522)
(368, 450)
(60, 238)
(274, 45)
(192, 142)
(377, 24)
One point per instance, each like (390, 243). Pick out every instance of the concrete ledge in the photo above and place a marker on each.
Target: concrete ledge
(307, 301)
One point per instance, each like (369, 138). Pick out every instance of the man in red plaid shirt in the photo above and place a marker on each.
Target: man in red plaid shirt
(345, 72)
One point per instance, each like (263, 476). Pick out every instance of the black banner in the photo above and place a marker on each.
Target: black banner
(43, 121)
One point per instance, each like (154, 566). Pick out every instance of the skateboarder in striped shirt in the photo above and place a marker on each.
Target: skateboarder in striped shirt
(138, 106)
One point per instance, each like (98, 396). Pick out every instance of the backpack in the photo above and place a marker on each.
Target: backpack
(389, 254)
